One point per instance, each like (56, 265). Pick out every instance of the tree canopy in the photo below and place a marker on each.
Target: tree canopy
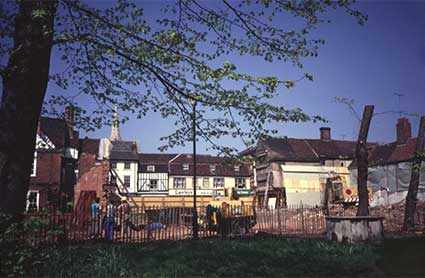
(119, 59)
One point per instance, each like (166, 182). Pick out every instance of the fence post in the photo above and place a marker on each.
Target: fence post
(278, 221)
(302, 217)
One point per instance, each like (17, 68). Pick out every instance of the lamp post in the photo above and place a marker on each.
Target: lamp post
(195, 213)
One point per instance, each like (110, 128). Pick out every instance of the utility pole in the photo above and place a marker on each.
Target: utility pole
(195, 213)
(412, 194)
(362, 162)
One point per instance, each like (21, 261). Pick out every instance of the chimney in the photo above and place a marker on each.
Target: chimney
(69, 119)
(404, 130)
(325, 133)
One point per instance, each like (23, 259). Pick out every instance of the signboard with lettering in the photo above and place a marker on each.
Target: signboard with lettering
(189, 192)
(243, 191)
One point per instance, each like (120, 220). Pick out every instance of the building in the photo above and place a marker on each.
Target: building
(390, 169)
(290, 171)
(53, 173)
(154, 178)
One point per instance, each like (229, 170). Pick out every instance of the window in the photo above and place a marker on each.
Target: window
(212, 168)
(32, 201)
(218, 182)
(342, 164)
(151, 168)
(240, 182)
(113, 165)
(153, 184)
(236, 168)
(34, 165)
(185, 167)
(127, 181)
(179, 183)
(206, 182)
(126, 165)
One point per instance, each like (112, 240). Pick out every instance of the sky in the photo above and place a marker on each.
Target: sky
(370, 64)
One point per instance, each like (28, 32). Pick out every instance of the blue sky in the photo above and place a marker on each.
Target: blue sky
(369, 64)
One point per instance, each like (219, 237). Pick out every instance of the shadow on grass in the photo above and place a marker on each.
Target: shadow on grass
(403, 257)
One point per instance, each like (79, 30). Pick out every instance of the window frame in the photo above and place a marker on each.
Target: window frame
(207, 185)
(183, 184)
(156, 184)
(215, 184)
(243, 181)
(150, 168)
(129, 181)
(37, 201)
(127, 163)
(34, 166)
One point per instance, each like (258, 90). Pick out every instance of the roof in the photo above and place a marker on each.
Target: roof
(89, 145)
(55, 129)
(173, 163)
(124, 150)
(155, 158)
(306, 150)
(391, 153)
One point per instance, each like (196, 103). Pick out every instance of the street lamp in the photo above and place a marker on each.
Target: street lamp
(195, 214)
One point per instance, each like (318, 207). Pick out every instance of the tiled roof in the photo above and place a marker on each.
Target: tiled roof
(393, 152)
(155, 158)
(307, 150)
(333, 149)
(124, 150)
(89, 145)
(175, 162)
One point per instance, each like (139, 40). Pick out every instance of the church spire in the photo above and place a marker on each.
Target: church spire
(115, 132)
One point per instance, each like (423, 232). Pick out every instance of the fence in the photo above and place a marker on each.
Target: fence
(176, 223)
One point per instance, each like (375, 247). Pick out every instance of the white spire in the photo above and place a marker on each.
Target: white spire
(115, 132)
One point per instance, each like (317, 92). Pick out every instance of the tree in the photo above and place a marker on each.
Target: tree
(412, 193)
(362, 162)
(118, 58)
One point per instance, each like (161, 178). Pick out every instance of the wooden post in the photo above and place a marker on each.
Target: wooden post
(362, 162)
(411, 198)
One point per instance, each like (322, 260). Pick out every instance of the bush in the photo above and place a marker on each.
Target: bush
(19, 238)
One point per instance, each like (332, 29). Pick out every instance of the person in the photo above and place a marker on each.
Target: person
(95, 218)
(151, 227)
(124, 216)
(109, 220)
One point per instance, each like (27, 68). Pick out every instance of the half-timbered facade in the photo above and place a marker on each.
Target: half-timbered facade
(153, 174)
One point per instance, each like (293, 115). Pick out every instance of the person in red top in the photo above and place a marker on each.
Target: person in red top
(124, 216)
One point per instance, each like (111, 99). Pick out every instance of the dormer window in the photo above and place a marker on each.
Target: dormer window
(236, 168)
(151, 168)
(212, 168)
(185, 167)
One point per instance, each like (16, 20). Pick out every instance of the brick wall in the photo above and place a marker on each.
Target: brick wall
(48, 168)
(91, 179)
(47, 180)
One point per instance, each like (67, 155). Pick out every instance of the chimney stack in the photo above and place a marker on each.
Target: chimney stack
(325, 133)
(69, 119)
(404, 130)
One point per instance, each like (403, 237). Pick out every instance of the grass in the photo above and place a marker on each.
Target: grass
(215, 258)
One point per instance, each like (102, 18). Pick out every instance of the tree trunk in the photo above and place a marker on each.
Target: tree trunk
(362, 162)
(24, 86)
(411, 198)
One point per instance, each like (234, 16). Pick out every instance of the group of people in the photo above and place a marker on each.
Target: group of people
(115, 215)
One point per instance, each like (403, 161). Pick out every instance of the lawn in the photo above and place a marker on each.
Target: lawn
(237, 258)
